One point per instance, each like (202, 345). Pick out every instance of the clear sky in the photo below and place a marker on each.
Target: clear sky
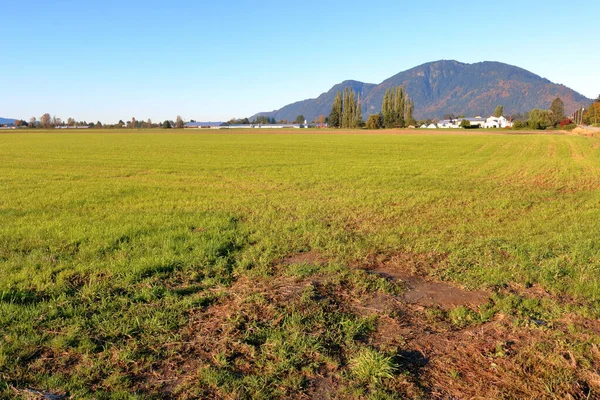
(214, 60)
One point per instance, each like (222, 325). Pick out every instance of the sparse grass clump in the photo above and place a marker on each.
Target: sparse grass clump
(371, 367)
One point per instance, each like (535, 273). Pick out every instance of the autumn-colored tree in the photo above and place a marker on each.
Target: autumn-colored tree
(133, 122)
(46, 121)
(592, 114)
(320, 121)
(178, 122)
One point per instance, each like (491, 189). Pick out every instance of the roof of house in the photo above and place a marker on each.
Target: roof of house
(198, 124)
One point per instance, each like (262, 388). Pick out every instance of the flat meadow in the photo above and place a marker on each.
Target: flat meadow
(161, 265)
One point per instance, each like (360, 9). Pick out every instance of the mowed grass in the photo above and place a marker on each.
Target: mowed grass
(115, 249)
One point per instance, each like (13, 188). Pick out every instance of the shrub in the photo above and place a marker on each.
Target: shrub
(565, 122)
(519, 125)
(375, 121)
(569, 127)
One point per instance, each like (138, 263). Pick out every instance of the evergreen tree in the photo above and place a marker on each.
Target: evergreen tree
(410, 109)
(499, 111)
(386, 109)
(558, 110)
(335, 117)
(346, 110)
(358, 120)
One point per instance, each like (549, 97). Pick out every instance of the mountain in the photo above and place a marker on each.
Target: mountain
(450, 87)
(7, 121)
(312, 108)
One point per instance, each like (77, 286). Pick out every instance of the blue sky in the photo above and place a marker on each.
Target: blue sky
(110, 60)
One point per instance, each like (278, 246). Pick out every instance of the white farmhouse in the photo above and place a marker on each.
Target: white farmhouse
(497, 122)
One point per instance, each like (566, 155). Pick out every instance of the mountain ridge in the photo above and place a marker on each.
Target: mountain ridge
(8, 121)
(448, 87)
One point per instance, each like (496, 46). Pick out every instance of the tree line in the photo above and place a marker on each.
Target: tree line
(46, 121)
(346, 112)
(544, 118)
(396, 110)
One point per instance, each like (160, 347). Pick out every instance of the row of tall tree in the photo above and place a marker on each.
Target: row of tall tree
(346, 112)
(397, 108)
(396, 111)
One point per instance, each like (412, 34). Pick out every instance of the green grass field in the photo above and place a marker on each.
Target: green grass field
(150, 265)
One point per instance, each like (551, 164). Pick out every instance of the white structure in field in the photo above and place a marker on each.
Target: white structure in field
(490, 122)
(497, 122)
(223, 125)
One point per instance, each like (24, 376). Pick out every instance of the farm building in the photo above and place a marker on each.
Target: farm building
(490, 122)
(497, 122)
(205, 125)
(279, 126)
(448, 123)
(224, 125)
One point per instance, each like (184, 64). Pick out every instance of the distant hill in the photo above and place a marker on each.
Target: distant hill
(450, 87)
(7, 121)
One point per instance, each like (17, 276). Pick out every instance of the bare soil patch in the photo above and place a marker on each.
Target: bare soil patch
(436, 358)
(412, 270)
(310, 257)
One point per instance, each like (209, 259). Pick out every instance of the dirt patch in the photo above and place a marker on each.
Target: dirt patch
(310, 257)
(412, 270)
(417, 264)
(322, 388)
(441, 294)
(436, 357)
